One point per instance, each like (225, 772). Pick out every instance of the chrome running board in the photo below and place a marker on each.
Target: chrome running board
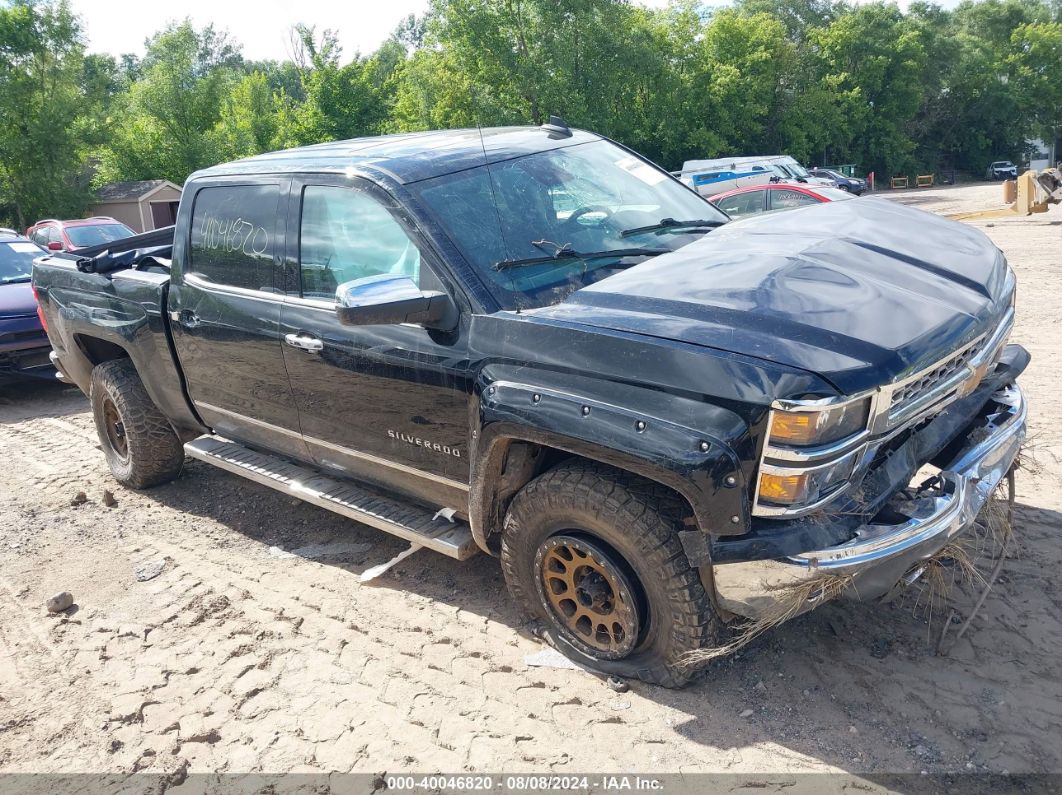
(357, 502)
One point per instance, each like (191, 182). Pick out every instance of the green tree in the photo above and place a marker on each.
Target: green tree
(602, 64)
(248, 124)
(339, 101)
(973, 114)
(1036, 66)
(741, 83)
(873, 60)
(41, 153)
(165, 124)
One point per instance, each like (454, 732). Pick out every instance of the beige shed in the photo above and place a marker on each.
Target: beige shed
(142, 206)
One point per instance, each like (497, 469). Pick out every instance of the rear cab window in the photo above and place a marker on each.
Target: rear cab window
(232, 242)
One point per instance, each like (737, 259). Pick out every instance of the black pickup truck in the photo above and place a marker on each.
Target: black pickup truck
(533, 343)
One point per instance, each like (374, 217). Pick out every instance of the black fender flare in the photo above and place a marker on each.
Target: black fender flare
(702, 468)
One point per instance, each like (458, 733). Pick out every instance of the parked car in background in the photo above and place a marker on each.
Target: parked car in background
(24, 345)
(797, 172)
(853, 185)
(71, 235)
(1001, 169)
(757, 199)
(711, 177)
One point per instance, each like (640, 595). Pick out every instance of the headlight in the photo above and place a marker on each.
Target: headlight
(794, 488)
(811, 427)
(811, 452)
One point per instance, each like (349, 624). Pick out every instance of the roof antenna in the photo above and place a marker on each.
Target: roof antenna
(493, 195)
(557, 127)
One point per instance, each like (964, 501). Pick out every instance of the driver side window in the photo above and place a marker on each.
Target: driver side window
(345, 234)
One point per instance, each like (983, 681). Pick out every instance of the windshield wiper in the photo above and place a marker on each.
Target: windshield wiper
(565, 252)
(668, 224)
(15, 279)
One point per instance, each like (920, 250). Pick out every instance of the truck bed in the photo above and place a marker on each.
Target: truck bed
(95, 316)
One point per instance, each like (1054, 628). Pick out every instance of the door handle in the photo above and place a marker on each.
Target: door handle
(304, 342)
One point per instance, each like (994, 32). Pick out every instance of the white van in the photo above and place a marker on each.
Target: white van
(709, 177)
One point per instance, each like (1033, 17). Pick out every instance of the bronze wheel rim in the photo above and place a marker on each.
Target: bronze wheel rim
(589, 595)
(115, 428)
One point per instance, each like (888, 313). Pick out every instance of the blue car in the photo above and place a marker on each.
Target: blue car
(853, 185)
(24, 347)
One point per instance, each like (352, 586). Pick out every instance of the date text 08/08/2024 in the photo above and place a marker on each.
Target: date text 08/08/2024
(525, 783)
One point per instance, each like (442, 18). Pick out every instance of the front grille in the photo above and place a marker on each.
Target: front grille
(938, 379)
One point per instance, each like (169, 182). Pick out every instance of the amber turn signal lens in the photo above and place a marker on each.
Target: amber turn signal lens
(810, 427)
(797, 428)
(783, 489)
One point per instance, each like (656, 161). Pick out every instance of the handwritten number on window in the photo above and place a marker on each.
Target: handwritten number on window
(234, 234)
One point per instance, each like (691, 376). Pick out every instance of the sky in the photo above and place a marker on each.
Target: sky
(262, 27)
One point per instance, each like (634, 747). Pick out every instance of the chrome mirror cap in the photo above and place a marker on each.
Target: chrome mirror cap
(390, 299)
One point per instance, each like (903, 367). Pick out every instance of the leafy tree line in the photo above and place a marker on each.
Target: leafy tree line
(822, 80)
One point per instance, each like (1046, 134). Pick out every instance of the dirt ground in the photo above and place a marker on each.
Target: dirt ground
(256, 649)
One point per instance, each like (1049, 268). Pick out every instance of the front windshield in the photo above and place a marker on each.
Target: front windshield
(16, 260)
(781, 171)
(583, 197)
(96, 234)
(798, 169)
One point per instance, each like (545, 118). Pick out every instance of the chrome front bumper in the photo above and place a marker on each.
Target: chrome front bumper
(878, 556)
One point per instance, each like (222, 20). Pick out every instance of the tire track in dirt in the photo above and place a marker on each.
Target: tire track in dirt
(52, 458)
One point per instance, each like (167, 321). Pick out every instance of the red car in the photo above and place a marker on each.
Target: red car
(72, 235)
(754, 199)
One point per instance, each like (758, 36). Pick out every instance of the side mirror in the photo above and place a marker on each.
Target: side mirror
(390, 299)
(55, 245)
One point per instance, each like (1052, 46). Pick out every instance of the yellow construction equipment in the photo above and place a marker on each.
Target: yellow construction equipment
(1034, 192)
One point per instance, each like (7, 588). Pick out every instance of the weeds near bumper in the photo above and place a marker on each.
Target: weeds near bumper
(792, 600)
(949, 568)
(956, 564)
(991, 536)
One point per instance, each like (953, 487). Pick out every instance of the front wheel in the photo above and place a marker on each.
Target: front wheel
(139, 443)
(594, 554)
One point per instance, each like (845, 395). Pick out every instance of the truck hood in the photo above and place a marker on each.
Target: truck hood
(860, 292)
(16, 300)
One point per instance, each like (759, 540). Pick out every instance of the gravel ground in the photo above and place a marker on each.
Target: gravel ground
(254, 647)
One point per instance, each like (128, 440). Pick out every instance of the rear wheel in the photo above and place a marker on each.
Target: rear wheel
(594, 554)
(139, 443)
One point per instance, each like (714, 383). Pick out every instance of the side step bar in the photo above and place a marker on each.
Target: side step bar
(416, 525)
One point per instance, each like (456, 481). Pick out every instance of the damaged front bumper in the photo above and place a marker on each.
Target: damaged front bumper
(881, 553)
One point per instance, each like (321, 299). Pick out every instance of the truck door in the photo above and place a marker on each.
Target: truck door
(224, 309)
(385, 403)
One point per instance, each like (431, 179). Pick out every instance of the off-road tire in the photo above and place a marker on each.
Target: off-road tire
(154, 454)
(639, 520)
